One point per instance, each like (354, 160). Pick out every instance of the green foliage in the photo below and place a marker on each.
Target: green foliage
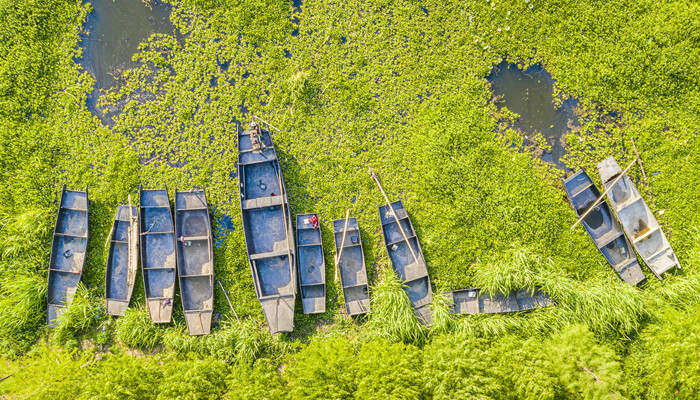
(392, 315)
(665, 362)
(136, 330)
(201, 379)
(121, 376)
(77, 318)
(259, 381)
(23, 311)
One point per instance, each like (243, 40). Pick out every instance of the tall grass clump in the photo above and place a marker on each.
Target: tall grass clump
(392, 316)
(443, 320)
(22, 312)
(136, 330)
(24, 241)
(78, 318)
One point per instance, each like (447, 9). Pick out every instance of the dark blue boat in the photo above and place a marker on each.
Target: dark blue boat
(68, 249)
(267, 227)
(474, 301)
(158, 258)
(603, 228)
(413, 272)
(312, 266)
(353, 274)
(122, 260)
(195, 260)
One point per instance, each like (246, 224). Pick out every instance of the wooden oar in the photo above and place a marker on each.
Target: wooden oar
(393, 212)
(342, 243)
(612, 185)
(228, 300)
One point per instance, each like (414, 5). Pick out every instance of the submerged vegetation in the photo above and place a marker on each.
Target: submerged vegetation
(401, 86)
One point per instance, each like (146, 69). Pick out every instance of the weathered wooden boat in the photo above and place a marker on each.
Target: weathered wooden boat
(603, 228)
(353, 274)
(267, 227)
(409, 265)
(195, 260)
(311, 264)
(474, 301)
(122, 260)
(637, 219)
(68, 248)
(158, 256)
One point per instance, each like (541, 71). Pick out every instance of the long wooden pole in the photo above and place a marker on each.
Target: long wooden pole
(228, 300)
(603, 195)
(393, 212)
(342, 243)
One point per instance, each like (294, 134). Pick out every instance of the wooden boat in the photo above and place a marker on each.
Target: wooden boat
(413, 272)
(353, 275)
(474, 301)
(267, 227)
(68, 248)
(637, 219)
(122, 260)
(158, 258)
(603, 228)
(195, 260)
(311, 264)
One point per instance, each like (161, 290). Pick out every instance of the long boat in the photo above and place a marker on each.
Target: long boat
(603, 228)
(68, 249)
(267, 227)
(409, 265)
(637, 219)
(311, 264)
(158, 258)
(122, 260)
(195, 260)
(353, 274)
(473, 301)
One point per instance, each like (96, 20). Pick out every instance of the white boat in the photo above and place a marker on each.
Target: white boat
(637, 220)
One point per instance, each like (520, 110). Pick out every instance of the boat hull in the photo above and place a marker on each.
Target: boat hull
(474, 301)
(122, 261)
(637, 220)
(311, 264)
(68, 252)
(412, 272)
(603, 228)
(353, 274)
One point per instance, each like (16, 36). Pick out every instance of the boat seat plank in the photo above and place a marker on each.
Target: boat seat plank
(310, 244)
(155, 268)
(604, 240)
(645, 235)
(262, 202)
(276, 253)
(401, 241)
(157, 233)
(192, 238)
(580, 189)
(69, 235)
(74, 209)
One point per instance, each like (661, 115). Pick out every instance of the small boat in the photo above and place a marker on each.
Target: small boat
(311, 264)
(122, 260)
(473, 301)
(158, 258)
(267, 227)
(637, 219)
(603, 228)
(68, 248)
(195, 260)
(413, 272)
(353, 275)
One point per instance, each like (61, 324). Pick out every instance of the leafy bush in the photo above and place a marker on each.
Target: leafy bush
(200, 379)
(23, 311)
(136, 330)
(259, 381)
(122, 376)
(84, 313)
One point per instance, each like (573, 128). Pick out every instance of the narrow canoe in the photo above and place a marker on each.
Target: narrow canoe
(353, 275)
(603, 228)
(267, 227)
(68, 249)
(473, 301)
(413, 272)
(311, 264)
(195, 260)
(122, 260)
(158, 258)
(637, 220)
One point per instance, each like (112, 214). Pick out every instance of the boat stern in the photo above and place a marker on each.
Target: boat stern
(279, 313)
(160, 310)
(116, 307)
(198, 322)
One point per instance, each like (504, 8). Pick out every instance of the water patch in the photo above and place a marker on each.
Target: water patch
(114, 30)
(530, 94)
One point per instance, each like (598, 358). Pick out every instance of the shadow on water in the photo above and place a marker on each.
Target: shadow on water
(114, 30)
(530, 94)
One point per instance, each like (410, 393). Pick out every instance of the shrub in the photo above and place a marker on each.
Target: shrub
(136, 330)
(259, 381)
(23, 311)
(77, 318)
(200, 379)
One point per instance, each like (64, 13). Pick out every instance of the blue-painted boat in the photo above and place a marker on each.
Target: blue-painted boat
(475, 301)
(311, 264)
(158, 256)
(267, 227)
(195, 260)
(353, 274)
(413, 272)
(68, 250)
(603, 227)
(122, 260)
